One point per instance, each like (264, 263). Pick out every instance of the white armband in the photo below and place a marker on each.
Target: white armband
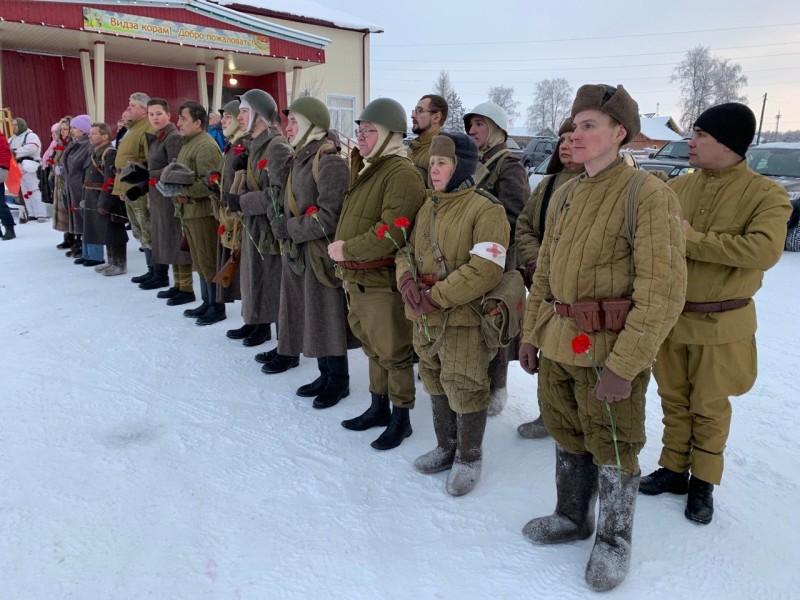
(490, 251)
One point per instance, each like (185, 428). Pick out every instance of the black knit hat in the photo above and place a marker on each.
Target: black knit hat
(461, 148)
(732, 125)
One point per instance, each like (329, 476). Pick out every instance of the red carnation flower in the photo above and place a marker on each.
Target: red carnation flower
(581, 344)
(214, 179)
(262, 164)
(312, 210)
(106, 187)
(152, 182)
(237, 150)
(382, 231)
(221, 230)
(73, 209)
(402, 223)
(50, 161)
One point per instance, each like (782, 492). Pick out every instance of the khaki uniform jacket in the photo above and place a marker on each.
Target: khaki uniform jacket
(511, 188)
(738, 220)
(201, 154)
(389, 188)
(585, 254)
(419, 151)
(132, 146)
(527, 235)
(463, 218)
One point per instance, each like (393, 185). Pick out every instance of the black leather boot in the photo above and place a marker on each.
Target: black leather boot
(377, 415)
(663, 480)
(280, 363)
(240, 333)
(216, 310)
(258, 335)
(67, 243)
(338, 385)
(576, 493)
(194, 313)
(700, 504)
(399, 429)
(160, 278)
(313, 389)
(170, 293)
(9, 234)
(148, 256)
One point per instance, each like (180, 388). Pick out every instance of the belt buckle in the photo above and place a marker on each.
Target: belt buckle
(555, 304)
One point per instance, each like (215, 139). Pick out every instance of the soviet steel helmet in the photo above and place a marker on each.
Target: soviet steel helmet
(386, 112)
(489, 110)
(313, 110)
(262, 103)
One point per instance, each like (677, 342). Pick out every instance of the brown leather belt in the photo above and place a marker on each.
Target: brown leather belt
(715, 307)
(367, 264)
(607, 314)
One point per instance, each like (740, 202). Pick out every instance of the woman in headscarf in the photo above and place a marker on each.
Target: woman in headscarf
(456, 253)
(51, 160)
(73, 162)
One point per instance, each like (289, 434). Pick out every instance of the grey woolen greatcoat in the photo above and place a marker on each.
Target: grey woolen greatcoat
(313, 316)
(74, 159)
(108, 229)
(234, 290)
(260, 267)
(165, 227)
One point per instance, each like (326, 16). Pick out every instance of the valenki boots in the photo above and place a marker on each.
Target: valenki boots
(117, 256)
(611, 555)
(466, 468)
(576, 492)
(445, 426)
(379, 414)
(533, 430)
(498, 392)
(399, 429)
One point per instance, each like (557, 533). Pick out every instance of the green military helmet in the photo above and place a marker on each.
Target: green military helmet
(231, 107)
(386, 112)
(313, 110)
(491, 111)
(262, 103)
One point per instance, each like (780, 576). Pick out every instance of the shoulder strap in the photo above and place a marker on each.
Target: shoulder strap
(548, 191)
(315, 164)
(632, 204)
(498, 160)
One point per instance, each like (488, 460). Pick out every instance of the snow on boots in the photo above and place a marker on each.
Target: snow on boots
(445, 426)
(533, 430)
(466, 468)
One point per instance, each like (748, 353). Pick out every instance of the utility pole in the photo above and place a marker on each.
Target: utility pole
(777, 123)
(761, 122)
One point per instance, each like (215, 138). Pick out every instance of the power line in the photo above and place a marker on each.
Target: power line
(580, 39)
(510, 60)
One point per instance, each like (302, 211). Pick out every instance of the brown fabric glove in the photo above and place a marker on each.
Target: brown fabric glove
(409, 290)
(426, 303)
(529, 358)
(611, 387)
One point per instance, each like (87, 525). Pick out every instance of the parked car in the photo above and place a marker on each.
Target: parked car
(512, 145)
(673, 159)
(537, 150)
(537, 174)
(779, 161)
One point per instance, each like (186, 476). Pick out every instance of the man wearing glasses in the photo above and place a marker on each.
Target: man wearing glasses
(384, 186)
(427, 120)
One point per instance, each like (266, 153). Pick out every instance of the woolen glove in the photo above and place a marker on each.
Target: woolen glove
(240, 162)
(611, 387)
(409, 290)
(212, 179)
(232, 201)
(270, 211)
(279, 228)
(3, 175)
(426, 303)
(529, 358)
(135, 193)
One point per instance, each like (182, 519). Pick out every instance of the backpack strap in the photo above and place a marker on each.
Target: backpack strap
(548, 192)
(632, 204)
(496, 164)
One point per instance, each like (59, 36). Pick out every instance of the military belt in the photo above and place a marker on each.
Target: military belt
(715, 307)
(367, 264)
(607, 314)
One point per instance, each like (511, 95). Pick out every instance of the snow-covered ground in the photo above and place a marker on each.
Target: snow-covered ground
(146, 457)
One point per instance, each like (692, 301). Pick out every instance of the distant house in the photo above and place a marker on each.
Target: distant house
(656, 131)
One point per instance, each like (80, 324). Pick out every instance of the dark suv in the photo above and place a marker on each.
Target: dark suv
(673, 159)
(779, 161)
(537, 150)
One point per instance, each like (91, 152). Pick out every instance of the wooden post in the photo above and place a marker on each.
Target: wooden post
(88, 87)
(100, 82)
(202, 87)
(219, 73)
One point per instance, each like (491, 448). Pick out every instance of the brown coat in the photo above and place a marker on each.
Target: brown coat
(313, 320)
(260, 267)
(74, 159)
(165, 227)
(585, 254)
(738, 220)
(106, 229)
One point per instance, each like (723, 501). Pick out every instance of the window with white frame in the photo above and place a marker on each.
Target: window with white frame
(343, 113)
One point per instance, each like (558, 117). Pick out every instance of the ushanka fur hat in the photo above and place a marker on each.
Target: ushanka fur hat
(566, 126)
(616, 102)
(462, 149)
(178, 174)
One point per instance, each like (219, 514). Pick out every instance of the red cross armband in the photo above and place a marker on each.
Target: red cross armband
(491, 251)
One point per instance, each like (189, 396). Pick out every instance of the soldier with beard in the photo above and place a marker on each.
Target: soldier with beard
(427, 119)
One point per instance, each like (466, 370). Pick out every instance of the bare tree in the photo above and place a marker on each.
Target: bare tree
(551, 104)
(312, 84)
(706, 81)
(444, 88)
(503, 96)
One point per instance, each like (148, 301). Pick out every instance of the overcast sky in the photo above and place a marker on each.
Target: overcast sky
(637, 44)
